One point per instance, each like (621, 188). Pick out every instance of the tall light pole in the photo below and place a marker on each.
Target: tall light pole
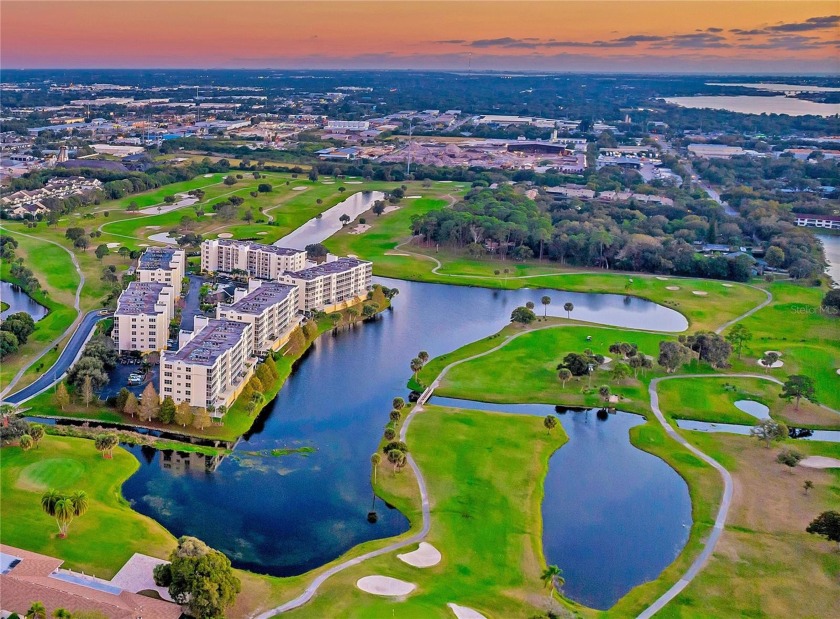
(408, 161)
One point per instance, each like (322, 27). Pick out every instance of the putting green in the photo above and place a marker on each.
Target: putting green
(58, 473)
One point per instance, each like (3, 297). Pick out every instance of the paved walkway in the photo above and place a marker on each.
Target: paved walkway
(70, 329)
(136, 575)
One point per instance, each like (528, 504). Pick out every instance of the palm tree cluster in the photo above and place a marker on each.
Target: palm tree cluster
(418, 362)
(64, 507)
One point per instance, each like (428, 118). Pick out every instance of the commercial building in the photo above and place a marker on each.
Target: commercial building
(348, 125)
(829, 222)
(333, 285)
(262, 261)
(211, 366)
(162, 264)
(269, 307)
(141, 321)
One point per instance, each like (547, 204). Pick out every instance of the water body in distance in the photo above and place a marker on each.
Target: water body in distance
(19, 301)
(320, 229)
(286, 515)
(746, 104)
(614, 516)
(831, 247)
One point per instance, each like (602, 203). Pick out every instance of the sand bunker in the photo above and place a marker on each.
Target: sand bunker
(412, 197)
(225, 235)
(112, 245)
(464, 612)
(299, 188)
(662, 279)
(727, 285)
(354, 182)
(328, 182)
(360, 228)
(444, 181)
(390, 209)
(672, 287)
(263, 233)
(142, 244)
(208, 176)
(699, 293)
(820, 462)
(384, 585)
(153, 227)
(426, 555)
(776, 364)
(606, 360)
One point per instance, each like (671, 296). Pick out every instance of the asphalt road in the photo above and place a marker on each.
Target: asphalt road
(65, 360)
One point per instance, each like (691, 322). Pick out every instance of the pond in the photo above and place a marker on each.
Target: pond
(830, 436)
(19, 301)
(614, 516)
(317, 230)
(286, 515)
(831, 247)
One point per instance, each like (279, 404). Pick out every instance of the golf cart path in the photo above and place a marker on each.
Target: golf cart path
(76, 306)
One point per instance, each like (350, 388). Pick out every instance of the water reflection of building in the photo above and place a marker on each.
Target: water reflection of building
(186, 461)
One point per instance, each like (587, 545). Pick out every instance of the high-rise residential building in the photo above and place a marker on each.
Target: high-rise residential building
(212, 365)
(271, 308)
(162, 264)
(141, 322)
(254, 259)
(332, 285)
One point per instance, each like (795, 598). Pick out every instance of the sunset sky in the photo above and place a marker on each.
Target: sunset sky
(632, 35)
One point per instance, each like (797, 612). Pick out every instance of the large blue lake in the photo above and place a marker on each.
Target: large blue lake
(287, 515)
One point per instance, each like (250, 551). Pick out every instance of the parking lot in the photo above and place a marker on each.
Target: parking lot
(119, 379)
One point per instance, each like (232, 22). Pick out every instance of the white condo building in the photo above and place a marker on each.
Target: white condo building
(212, 365)
(141, 322)
(162, 264)
(261, 261)
(269, 307)
(331, 285)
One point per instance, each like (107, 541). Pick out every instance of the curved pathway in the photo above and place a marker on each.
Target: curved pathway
(761, 305)
(76, 306)
(68, 357)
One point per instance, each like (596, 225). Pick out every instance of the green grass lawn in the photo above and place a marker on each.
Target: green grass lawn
(713, 400)
(524, 370)
(98, 542)
(485, 520)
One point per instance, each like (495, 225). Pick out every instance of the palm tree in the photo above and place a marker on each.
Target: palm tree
(395, 415)
(546, 301)
(398, 404)
(64, 511)
(416, 366)
(375, 459)
(80, 502)
(48, 501)
(36, 611)
(552, 576)
(25, 442)
(423, 356)
(36, 431)
(62, 613)
(568, 306)
(564, 374)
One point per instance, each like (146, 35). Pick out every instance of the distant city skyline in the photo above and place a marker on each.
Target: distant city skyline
(543, 36)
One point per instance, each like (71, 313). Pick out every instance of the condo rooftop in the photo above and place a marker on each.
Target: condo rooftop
(340, 265)
(256, 302)
(139, 298)
(157, 258)
(210, 343)
(273, 249)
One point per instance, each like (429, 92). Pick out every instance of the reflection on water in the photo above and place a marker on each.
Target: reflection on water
(286, 515)
(319, 229)
(831, 436)
(19, 301)
(613, 516)
(747, 104)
